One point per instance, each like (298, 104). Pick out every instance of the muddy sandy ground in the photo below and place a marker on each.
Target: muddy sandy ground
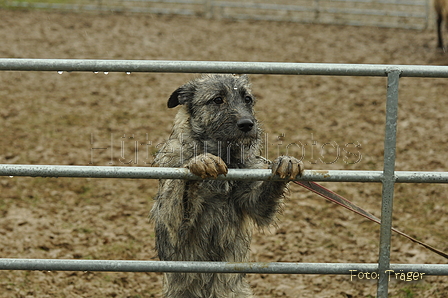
(51, 118)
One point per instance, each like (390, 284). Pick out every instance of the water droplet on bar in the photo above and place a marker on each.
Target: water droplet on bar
(60, 72)
(11, 176)
(95, 72)
(128, 72)
(106, 72)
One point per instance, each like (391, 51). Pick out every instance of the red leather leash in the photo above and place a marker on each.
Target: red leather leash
(337, 199)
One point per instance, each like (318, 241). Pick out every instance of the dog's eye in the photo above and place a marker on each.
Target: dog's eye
(218, 100)
(248, 99)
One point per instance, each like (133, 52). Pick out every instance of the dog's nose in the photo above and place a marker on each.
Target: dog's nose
(245, 124)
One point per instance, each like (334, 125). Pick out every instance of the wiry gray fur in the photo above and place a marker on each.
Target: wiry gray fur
(212, 220)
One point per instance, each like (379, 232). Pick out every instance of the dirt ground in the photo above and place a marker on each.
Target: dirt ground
(51, 118)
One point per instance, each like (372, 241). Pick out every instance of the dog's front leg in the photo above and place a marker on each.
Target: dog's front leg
(261, 199)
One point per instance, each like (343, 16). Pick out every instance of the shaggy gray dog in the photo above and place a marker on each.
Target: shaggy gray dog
(212, 220)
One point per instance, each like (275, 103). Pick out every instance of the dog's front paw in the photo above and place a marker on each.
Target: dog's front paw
(207, 165)
(287, 167)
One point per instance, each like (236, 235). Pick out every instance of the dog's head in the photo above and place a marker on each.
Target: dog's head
(220, 108)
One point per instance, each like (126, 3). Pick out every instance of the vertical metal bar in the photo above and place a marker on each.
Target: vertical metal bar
(316, 10)
(427, 12)
(390, 139)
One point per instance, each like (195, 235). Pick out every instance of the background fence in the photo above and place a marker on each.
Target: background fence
(388, 177)
(413, 14)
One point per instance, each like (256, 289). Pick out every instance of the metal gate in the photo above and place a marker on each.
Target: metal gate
(411, 14)
(388, 177)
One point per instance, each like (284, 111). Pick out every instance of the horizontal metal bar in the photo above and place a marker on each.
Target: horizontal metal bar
(176, 7)
(219, 267)
(372, 12)
(198, 2)
(169, 173)
(421, 177)
(109, 8)
(265, 6)
(386, 2)
(13, 170)
(331, 10)
(381, 70)
(311, 20)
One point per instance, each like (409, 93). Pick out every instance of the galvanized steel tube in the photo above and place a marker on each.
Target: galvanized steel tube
(175, 173)
(13, 170)
(329, 69)
(220, 267)
(390, 141)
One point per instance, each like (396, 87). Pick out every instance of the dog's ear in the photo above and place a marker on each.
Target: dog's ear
(173, 101)
(181, 95)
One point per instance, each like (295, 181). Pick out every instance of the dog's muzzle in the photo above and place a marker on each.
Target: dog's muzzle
(245, 124)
